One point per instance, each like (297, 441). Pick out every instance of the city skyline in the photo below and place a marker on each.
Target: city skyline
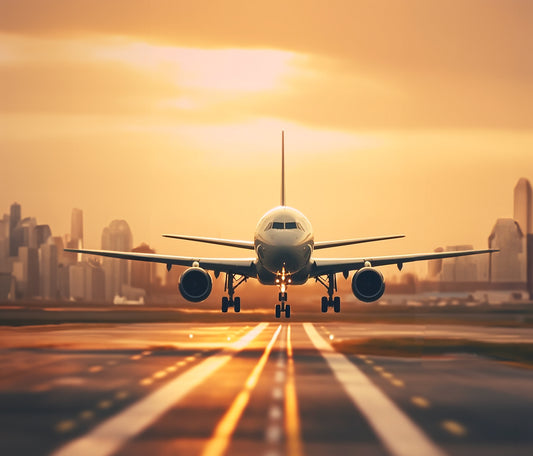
(416, 121)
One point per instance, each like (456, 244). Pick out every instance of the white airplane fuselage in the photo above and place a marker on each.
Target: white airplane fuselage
(284, 243)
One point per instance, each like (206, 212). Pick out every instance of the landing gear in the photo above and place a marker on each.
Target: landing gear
(330, 282)
(282, 281)
(229, 286)
(283, 307)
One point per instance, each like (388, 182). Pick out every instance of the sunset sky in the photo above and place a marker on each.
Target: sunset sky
(410, 117)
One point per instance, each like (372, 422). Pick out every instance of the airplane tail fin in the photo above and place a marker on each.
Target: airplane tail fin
(282, 168)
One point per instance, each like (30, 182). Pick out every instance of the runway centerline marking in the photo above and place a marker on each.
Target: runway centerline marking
(220, 439)
(400, 435)
(106, 438)
(292, 419)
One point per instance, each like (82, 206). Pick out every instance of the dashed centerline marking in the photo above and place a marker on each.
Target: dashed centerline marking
(454, 428)
(292, 418)
(106, 438)
(420, 402)
(400, 435)
(220, 439)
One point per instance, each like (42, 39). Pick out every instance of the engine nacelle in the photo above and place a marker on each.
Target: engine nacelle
(195, 284)
(368, 284)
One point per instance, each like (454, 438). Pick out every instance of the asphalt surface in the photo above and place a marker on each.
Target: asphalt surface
(255, 389)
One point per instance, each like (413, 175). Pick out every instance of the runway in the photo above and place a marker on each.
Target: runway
(255, 388)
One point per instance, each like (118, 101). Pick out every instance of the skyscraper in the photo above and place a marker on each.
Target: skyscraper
(523, 210)
(14, 220)
(48, 270)
(510, 263)
(142, 272)
(117, 236)
(76, 227)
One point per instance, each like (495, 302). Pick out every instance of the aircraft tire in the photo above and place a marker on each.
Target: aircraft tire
(278, 311)
(287, 311)
(324, 304)
(337, 304)
(237, 305)
(224, 304)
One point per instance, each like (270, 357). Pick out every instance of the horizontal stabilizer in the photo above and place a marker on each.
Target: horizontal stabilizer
(227, 242)
(338, 243)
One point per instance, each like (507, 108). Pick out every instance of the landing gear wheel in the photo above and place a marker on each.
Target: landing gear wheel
(224, 304)
(337, 304)
(287, 311)
(278, 311)
(237, 305)
(325, 304)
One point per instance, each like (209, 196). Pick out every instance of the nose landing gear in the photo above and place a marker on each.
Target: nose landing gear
(283, 280)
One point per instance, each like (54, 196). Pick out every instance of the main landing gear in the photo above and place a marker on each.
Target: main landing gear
(330, 282)
(282, 281)
(229, 286)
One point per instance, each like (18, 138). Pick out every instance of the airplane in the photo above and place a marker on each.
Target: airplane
(284, 245)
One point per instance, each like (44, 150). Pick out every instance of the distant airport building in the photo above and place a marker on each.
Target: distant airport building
(523, 209)
(510, 263)
(117, 236)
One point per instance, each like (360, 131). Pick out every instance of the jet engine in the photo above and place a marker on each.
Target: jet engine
(195, 284)
(368, 284)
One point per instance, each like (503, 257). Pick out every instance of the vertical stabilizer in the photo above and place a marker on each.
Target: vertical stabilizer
(282, 168)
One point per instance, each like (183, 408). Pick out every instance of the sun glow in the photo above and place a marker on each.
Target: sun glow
(241, 70)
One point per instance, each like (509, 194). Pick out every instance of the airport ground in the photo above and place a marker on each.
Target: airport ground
(112, 384)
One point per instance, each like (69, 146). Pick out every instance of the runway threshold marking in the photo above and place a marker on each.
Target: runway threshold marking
(106, 438)
(397, 432)
(292, 419)
(219, 441)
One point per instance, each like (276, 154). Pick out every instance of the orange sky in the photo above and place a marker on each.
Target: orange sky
(400, 117)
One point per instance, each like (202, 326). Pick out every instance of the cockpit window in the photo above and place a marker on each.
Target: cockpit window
(290, 226)
(277, 225)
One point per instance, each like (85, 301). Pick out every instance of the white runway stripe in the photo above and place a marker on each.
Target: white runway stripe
(113, 433)
(398, 433)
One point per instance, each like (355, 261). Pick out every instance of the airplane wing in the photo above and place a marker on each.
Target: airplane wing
(324, 266)
(338, 243)
(241, 266)
(228, 242)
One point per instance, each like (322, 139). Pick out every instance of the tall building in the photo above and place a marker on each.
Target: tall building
(26, 272)
(117, 236)
(5, 265)
(48, 270)
(523, 209)
(42, 233)
(510, 263)
(459, 269)
(143, 272)
(14, 219)
(76, 227)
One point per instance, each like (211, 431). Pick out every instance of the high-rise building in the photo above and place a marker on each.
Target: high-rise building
(14, 219)
(523, 209)
(48, 270)
(117, 236)
(76, 227)
(143, 272)
(510, 263)
(42, 233)
(26, 272)
(459, 269)
(435, 266)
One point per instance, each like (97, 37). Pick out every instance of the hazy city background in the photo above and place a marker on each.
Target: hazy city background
(33, 264)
